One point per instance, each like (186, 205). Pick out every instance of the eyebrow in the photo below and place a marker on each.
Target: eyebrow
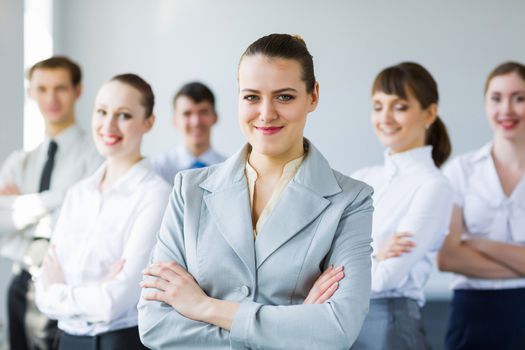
(273, 92)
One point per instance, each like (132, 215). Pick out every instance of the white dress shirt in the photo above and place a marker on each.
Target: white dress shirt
(168, 164)
(410, 195)
(93, 231)
(487, 212)
(33, 214)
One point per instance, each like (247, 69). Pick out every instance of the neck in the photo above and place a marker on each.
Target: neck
(197, 149)
(267, 166)
(509, 153)
(53, 129)
(117, 168)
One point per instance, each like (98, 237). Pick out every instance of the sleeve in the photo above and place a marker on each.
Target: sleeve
(427, 219)
(334, 324)
(456, 176)
(160, 325)
(11, 168)
(19, 212)
(103, 302)
(9, 173)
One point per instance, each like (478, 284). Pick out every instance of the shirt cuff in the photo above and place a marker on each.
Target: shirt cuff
(243, 320)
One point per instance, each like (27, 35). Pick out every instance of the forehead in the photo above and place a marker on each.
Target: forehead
(187, 103)
(261, 72)
(507, 82)
(115, 94)
(51, 76)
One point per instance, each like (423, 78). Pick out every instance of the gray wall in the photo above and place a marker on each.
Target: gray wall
(11, 100)
(169, 42)
(11, 71)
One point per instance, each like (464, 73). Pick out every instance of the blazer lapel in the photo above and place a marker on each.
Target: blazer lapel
(296, 208)
(301, 203)
(229, 205)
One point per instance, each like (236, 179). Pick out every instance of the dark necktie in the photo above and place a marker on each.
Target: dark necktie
(45, 180)
(198, 164)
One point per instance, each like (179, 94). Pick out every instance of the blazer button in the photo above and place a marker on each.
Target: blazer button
(245, 290)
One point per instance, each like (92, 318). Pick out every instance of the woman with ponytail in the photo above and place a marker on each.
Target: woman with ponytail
(412, 201)
(486, 244)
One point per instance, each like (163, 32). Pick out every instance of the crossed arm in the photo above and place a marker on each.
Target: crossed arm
(479, 258)
(175, 312)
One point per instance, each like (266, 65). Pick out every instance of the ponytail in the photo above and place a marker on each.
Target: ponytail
(437, 137)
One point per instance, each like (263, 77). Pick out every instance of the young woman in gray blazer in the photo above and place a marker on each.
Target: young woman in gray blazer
(243, 242)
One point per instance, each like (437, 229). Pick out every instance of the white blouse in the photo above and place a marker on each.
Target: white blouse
(410, 195)
(93, 231)
(487, 211)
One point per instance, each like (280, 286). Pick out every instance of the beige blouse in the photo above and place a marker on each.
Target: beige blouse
(289, 171)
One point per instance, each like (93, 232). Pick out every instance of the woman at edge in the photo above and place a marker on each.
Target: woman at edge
(106, 228)
(243, 242)
(486, 244)
(413, 202)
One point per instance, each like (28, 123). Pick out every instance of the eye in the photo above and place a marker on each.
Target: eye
(101, 112)
(401, 107)
(495, 98)
(250, 98)
(124, 116)
(285, 98)
(519, 98)
(377, 107)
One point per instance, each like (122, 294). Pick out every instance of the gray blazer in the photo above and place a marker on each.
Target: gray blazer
(322, 218)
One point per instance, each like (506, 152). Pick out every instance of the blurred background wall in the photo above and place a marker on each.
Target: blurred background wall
(170, 42)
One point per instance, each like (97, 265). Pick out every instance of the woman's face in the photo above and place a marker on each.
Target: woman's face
(273, 105)
(505, 106)
(119, 121)
(400, 124)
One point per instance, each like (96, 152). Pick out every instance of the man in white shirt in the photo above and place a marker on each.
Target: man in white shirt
(32, 187)
(194, 116)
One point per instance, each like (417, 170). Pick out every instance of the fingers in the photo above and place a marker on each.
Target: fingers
(327, 274)
(9, 190)
(327, 294)
(162, 271)
(323, 284)
(157, 283)
(118, 265)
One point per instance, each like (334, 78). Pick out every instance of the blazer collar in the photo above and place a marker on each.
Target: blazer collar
(315, 173)
(304, 199)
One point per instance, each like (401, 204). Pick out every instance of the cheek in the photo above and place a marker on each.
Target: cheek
(374, 119)
(246, 114)
(95, 123)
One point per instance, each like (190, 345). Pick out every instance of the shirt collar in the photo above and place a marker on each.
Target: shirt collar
(483, 153)
(187, 158)
(314, 173)
(66, 138)
(289, 169)
(126, 184)
(405, 161)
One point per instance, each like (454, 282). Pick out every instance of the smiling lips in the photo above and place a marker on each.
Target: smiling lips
(388, 130)
(111, 140)
(508, 124)
(269, 130)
